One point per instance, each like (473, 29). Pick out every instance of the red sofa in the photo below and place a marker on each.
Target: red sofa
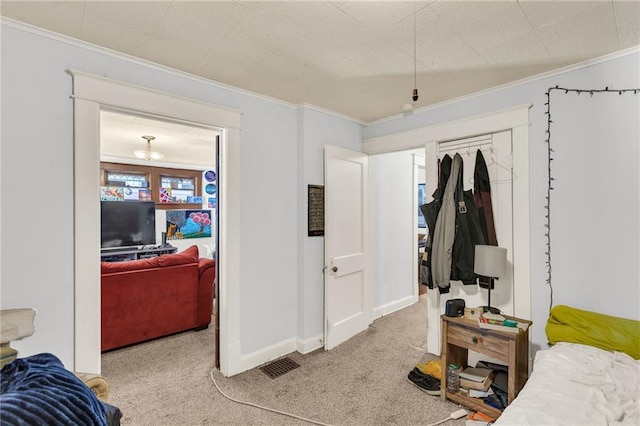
(149, 298)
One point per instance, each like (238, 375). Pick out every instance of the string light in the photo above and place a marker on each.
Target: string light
(550, 159)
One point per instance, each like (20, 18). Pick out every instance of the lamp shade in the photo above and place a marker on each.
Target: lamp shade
(490, 261)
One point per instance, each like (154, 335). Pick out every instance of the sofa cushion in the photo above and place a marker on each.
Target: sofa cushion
(189, 255)
(131, 265)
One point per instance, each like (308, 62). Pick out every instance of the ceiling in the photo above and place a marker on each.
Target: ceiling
(183, 146)
(352, 57)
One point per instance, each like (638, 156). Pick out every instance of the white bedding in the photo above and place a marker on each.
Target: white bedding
(574, 384)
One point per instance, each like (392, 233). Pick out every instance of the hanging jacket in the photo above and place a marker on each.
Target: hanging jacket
(482, 198)
(444, 232)
(430, 212)
(468, 234)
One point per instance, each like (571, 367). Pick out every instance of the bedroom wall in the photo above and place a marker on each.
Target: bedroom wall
(618, 71)
(36, 175)
(392, 184)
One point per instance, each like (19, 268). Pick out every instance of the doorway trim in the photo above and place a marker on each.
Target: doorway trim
(90, 95)
(515, 119)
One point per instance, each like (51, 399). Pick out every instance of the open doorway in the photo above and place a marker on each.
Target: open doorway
(172, 167)
(91, 94)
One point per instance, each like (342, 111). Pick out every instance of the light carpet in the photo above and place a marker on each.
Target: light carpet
(361, 382)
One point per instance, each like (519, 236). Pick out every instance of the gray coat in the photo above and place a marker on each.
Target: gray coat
(445, 231)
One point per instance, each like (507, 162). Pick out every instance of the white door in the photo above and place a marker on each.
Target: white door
(347, 249)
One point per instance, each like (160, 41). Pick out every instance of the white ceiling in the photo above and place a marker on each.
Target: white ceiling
(351, 57)
(184, 146)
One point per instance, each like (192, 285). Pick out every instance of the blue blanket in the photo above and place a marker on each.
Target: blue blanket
(38, 390)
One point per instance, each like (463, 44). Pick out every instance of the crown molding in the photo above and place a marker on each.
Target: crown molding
(537, 77)
(334, 113)
(119, 55)
(135, 59)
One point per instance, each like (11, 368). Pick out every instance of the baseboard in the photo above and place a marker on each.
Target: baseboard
(309, 345)
(262, 356)
(393, 306)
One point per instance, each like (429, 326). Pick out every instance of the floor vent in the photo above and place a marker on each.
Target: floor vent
(279, 367)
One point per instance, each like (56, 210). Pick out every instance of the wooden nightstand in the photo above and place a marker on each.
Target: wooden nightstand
(459, 335)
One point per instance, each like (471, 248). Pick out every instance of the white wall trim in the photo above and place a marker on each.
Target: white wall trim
(183, 74)
(135, 59)
(418, 162)
(391, 307)
(91, 93)
(333, 113)
(119, 55)
(526, 80)
(517, 121)
(458, 129)
(305, 346)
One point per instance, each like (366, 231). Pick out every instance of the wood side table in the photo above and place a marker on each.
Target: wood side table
(459, 335)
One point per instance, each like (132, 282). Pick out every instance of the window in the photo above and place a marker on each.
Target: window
(180, 188)
(169, 188)
(130, 180)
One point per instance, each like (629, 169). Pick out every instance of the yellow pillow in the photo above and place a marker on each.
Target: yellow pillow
(567, 324)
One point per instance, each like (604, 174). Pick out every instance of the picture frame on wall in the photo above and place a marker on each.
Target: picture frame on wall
(315, 210)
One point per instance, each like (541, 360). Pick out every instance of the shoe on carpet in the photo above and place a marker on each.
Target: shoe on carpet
(432, 368)
(424, 382)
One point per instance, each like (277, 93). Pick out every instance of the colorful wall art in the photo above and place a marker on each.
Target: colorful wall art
(116, 193)
(183, 224)
(111, 193)
(210, 176)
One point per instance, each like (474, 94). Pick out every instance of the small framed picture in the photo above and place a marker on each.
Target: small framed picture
(315, 209)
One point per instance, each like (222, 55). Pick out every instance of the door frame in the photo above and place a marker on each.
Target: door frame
(515, 119)
(90, 94)
(418, 163)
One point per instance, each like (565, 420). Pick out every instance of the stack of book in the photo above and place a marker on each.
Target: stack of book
(475, 381)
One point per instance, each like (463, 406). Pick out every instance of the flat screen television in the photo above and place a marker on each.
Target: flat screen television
(127, 223)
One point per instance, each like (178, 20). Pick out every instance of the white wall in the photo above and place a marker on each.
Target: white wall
(393, 214)
(595, 204)
(619, 72)
(37, 147)
(316, 129)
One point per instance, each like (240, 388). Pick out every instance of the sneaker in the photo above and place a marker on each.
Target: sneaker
(432, 368)
(424, 382)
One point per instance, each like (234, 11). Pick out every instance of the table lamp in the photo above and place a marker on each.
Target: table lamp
(490, 261)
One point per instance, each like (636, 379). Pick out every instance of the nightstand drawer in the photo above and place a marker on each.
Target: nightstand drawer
(479, 341)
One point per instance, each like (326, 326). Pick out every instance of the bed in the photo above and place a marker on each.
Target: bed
(38, 390)
(589, 376)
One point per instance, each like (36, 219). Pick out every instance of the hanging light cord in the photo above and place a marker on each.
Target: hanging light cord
(415, 61)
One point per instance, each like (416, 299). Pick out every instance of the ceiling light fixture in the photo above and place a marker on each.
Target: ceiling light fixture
(148, 154)
(415, 77)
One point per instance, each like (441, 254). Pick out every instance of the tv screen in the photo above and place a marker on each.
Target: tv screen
(127, 223)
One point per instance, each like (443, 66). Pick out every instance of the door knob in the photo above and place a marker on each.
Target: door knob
(334, 269)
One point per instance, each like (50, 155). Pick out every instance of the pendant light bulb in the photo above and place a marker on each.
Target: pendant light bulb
(415, 95)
